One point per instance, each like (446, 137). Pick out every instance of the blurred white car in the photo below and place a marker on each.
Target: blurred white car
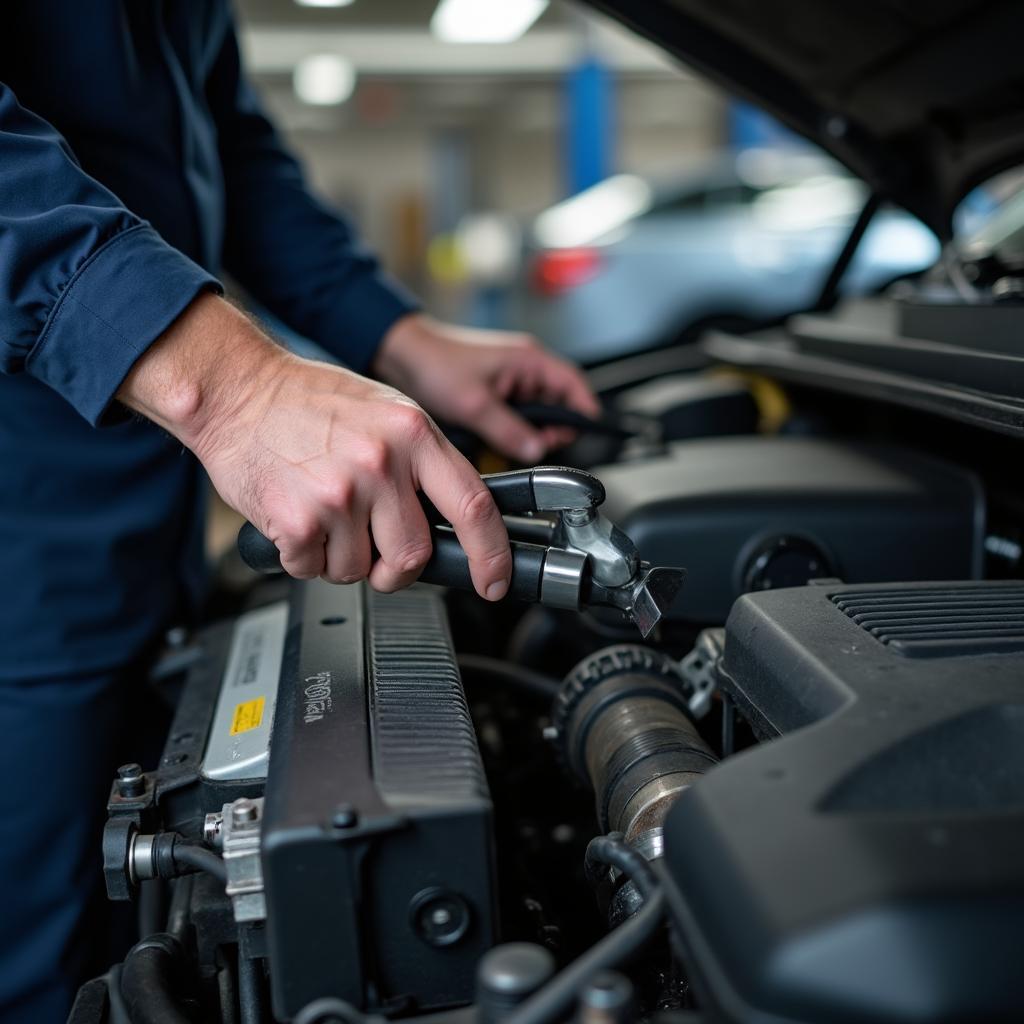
(628, 265)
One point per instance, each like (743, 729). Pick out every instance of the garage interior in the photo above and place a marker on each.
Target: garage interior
(510, 512)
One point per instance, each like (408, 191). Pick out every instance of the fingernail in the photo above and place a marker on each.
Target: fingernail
(496, 591)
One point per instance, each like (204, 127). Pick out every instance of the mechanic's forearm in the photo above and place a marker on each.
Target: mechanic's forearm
(199, 369)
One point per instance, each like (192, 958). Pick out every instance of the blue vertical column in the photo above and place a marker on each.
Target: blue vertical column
(589, 124)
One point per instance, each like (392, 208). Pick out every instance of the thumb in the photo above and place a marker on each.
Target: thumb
(508, 433)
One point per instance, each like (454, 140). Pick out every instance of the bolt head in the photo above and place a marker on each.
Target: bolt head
(243, 812)
(440, 917)
(130, 780)
(212, 828)
(345, 816)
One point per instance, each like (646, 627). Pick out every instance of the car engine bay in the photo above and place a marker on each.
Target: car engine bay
(746, 744)
(788, 791)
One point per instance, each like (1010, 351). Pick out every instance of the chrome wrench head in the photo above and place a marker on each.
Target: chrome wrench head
(645, 598)
(653, 594)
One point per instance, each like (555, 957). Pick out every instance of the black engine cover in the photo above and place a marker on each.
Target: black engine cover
(758, 513)
(866, 864)
(377, 848)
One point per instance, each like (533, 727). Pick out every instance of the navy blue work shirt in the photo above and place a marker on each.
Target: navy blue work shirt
(135, 162)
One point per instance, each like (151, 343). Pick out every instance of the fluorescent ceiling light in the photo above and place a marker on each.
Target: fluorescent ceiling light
(324, 79)
(323, 3)
(484, 21)
(584, 218)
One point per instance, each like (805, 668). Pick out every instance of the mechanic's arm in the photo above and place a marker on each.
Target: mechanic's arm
(97, 306)
(303, 262)
(316, 456)
(85, 285)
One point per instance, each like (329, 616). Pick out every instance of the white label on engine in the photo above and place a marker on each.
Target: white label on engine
(239, 742)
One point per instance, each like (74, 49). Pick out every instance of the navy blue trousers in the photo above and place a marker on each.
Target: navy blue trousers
(60, 744)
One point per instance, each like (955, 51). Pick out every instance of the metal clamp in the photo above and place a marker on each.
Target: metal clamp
(237, 829)
(562, 578)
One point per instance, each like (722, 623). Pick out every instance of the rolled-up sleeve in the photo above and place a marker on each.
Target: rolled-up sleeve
(299, 258)
(85, 285)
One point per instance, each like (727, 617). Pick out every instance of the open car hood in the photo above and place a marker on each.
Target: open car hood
(922, 98)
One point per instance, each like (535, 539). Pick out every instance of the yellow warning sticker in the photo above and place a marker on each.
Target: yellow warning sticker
(248, 715)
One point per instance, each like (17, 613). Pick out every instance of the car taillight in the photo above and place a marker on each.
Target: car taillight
(558, 270)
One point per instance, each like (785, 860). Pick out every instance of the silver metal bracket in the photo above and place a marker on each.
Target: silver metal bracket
(239, 834)
(700, 670)
(614, 559)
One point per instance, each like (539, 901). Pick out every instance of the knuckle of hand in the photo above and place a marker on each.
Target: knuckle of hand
(410, 422)
(412, 556)
(298, 531)
(477, 508)
(374, 457)
(338, 493)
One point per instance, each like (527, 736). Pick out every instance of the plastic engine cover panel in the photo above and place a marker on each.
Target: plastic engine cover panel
(859, 512)
(867, 864)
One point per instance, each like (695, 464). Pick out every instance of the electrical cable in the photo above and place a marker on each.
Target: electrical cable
(200, 859)
(610, 850)
(529, 681)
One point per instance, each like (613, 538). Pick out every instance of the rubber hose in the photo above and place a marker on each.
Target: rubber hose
(181, 899)
(147, 982)
(201, 859)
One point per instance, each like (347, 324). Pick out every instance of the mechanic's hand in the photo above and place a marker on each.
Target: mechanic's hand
(315, 456)
(467, 377)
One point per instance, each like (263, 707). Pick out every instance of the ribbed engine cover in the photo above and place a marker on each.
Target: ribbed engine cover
(866, 862)
(377, 842)
(940, 622)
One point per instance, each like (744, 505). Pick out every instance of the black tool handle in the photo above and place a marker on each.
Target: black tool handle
(258, 552)
(448, 565)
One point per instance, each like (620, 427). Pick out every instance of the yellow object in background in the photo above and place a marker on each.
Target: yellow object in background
(772, 402)
(445, 262)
